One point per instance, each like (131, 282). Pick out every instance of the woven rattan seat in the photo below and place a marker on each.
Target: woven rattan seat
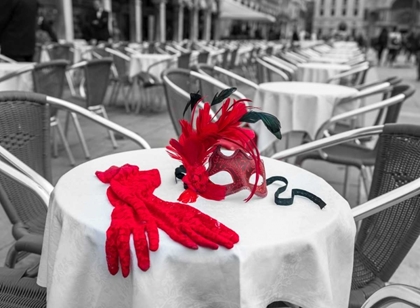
(18, 291)
(184, 60)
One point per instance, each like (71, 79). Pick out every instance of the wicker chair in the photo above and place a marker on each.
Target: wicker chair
(184, 60)
(58, 51)
(19, 291)
(179, 83)
(288, 69)
(244, 85)
(48, 78)
(390, 220)
(267, 72)
(25, 133)
(353, 154)
(91, 94)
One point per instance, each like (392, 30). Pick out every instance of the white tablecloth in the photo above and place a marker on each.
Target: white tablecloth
(300, 106)
(297, 253)
(319, 72)
(141, 62)
(22, 82)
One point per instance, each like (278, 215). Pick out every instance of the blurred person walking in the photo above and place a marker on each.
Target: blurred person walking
(381, 44)
(394, 45)
(18, 23)
(99, 23)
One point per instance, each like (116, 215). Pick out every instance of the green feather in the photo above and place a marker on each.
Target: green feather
(270, 121)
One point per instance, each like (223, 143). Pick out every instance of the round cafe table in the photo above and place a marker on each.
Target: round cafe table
(140, 62)
(300, 106)
(298, 253)
(319, 72)
(21, 82)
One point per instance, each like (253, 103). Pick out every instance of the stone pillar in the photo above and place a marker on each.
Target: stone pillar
(180, 22)
(65, 20)
(194, 22)
(107, 4)
(207, 21)
(136, 22)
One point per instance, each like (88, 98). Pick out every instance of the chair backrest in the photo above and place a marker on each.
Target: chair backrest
(233, 57)
(203, 57)
(38, 51)
(25, 132)
(177, 86)
(121, 62)
(97, 80)
(244, 86)
(48, 77)
(179, 83)
(385, 238)
(277, 63)
(267, 72)
(58, 51)
(184, 60)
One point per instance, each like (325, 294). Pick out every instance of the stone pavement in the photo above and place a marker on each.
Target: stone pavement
(156, 128)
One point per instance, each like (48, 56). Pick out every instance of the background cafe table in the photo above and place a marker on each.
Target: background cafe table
(300, 106)
(297, 253)
(319, 72)
(22, 82)
(140, 63)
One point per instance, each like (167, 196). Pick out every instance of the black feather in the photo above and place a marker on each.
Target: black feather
(194, 99)
(220, 97)
(270, 121)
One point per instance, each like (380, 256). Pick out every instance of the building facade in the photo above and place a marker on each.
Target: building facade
(161, 20)
(335, 16)
(403, 14)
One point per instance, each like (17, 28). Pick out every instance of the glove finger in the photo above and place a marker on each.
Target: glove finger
(107, 175)
(217, 227)
(153, 235)
(111, 250)
(215, 236)
(124, 250)
(198, 238)
(177, 235)
(142, 251)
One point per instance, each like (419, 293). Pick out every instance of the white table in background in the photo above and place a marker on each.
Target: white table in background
(298, 253)
(140, 63)
(300, 106)
(22, 82)
(319, 72)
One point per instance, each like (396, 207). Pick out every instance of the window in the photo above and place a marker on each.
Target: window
(344, 12)
(332, 12)
(321, 12)
(356, 12)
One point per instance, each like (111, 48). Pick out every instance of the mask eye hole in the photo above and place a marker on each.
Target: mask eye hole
(252, 179)
(221, 178)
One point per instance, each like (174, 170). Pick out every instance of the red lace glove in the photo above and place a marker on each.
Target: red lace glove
(183, 223)
(190, 227)
(127, 220)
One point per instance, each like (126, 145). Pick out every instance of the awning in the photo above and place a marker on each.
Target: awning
(234, 10)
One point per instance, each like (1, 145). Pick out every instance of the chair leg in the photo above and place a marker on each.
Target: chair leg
(80, 134)
(70, 82)
(111, 133)
(364, 172)
(54, 139)
(65, 143)
(346, 179)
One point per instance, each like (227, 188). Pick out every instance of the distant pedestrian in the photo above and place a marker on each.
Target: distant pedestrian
(381, 44)
(394, 45)
(18, 23)
(99, 23)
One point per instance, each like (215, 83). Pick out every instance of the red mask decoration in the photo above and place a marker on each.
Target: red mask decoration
(241, 167)
(200, 144)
